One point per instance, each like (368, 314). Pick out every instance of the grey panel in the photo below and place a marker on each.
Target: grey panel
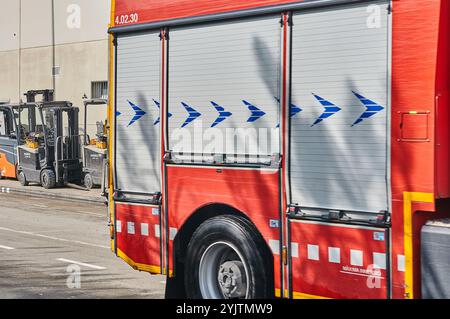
(339, 139)
(435, 251)
(138, 134)
(226, 63)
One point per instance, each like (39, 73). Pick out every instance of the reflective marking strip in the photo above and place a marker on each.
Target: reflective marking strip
(6, 190)
(334, 255)
(274, 246)
(379, 260)
(313, 252)
(401, 263)
(356, 258)
(172, 233)
(6, 247)
(118, 226)
(294, 250)
(130, 228)
(157, 232)
(144, 229)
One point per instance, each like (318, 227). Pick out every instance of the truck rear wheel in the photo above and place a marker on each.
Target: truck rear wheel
(225, 261)
(48, 179)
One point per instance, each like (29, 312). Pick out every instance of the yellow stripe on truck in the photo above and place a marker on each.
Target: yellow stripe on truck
(408, 199)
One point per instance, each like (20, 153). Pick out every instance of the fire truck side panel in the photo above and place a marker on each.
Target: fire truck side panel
(224, 77)
(416, 42)
(138, 133)
(148, 11)
(254, 193)
(442, 104)
(339, 154)
(338, 261)
(138, 234)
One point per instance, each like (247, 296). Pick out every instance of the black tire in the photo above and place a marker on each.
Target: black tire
(22, 178)
(48, 179)
(245, 241)
(88, 181)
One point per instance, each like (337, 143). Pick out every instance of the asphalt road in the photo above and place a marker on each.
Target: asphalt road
(59, 249)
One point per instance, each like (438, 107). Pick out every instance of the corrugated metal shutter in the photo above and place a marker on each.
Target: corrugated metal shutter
(137, 119)
(339, 139)
(225, 76)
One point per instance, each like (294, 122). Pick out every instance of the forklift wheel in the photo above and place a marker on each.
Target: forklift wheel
(22, 178)
(88, 182)
(48, 179)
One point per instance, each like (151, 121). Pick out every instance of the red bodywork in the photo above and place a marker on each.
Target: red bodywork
(154, 11)
(420, 175)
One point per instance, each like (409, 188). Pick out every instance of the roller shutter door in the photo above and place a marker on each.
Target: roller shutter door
(339, 140)
(225, 76)
(137, 118)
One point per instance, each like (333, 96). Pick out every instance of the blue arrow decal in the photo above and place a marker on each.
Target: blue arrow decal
(158, 105)
(330, 109)
(372, 108)
(118, 114)
(294, 109)
(193, 114)
(139, 113)
(223, 115)
(256, 112)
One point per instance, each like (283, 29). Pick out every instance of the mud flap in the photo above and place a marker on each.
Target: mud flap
(331, 260)
(138, 236)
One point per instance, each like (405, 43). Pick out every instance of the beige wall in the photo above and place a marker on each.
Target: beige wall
(81, 49)
(9, 75)
(80, 64)
(36, 69)
(36, 23)
(9, 25)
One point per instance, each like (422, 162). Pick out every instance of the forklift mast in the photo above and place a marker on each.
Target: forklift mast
(47, 95)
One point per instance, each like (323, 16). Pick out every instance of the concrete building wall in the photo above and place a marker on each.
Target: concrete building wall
(36, 23)
(9, 25)
(9, 75)
(80, 64)
(32, 44)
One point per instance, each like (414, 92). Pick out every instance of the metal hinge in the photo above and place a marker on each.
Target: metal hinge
(115, 40)
(164, 34)
(284, 255)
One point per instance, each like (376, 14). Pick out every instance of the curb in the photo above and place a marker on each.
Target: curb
(42, 194)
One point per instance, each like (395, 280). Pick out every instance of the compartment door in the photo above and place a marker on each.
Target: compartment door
(137, 151)
(339, 140)
(137, 130)
(338, 261)
(224, 83)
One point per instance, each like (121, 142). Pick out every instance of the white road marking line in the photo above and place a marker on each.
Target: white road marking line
(39, 205)
(54, 238)
(6, 190)
(80, 264)
(6, 247)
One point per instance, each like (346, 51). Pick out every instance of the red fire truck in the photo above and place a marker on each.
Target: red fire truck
(282, 148)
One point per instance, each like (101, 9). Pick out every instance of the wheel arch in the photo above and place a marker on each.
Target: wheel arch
(202, 214)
